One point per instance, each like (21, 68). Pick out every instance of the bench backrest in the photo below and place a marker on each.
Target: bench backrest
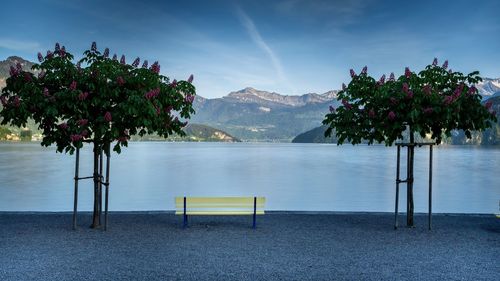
(220, 205)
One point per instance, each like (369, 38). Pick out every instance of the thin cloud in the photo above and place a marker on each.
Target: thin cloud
(18, 45)
(259, 41)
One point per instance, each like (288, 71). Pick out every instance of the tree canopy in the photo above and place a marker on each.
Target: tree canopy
(95, 99)
(434, 101)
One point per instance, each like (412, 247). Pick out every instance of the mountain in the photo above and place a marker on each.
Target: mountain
(489, 88)
(12, 61)
(489, 137)
(194, 133)
(316, 135)
(255, 115)
(199, 132)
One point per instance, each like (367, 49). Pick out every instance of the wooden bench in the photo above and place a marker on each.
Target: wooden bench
(216, 206)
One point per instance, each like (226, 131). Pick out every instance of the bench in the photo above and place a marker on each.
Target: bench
(216, 206)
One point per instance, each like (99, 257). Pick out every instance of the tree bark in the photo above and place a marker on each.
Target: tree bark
(96, 222)
(409, 184)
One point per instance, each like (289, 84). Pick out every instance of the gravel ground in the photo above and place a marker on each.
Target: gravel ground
(153, 246)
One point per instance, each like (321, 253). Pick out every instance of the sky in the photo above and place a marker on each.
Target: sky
(292, 47)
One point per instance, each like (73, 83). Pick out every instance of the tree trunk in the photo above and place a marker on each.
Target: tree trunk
(409, 184)
(96, 222)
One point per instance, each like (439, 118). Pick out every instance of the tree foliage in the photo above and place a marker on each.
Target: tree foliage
(97, 99)
(434, 101)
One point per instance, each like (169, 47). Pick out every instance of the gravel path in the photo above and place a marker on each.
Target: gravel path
(153, 246)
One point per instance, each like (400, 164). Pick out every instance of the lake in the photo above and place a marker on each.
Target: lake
(298, 177)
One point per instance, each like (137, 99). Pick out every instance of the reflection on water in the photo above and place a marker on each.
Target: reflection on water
(147, 176)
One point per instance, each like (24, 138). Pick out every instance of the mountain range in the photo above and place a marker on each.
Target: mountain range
(256, 115)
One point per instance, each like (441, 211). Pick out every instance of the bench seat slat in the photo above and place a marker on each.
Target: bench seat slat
(216, 213)
(221, 206)
(219, 200)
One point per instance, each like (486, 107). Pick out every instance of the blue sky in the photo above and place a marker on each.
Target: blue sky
(288, 46)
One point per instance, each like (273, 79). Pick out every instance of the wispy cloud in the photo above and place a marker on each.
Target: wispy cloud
(19, 45)
(261, 43)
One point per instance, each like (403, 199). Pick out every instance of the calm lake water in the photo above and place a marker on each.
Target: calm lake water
(309, 177)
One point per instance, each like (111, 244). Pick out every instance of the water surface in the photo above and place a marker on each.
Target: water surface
(309, 177)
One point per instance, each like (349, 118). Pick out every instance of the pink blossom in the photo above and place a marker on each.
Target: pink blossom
(173, 84)
(3, 99)
(75, 138)
(84, 133)
(62, 52)
(93, 47)
(488, 104)
(189, 98)
(145, 64)
(122, 138)
(346, 104)
(381, 81)
(72, 86)
(17, 101)
(435, 62)
(332, 109)
(115, 58)
(136, 62)
(391, 77)
(427, 89)
(458, 91)
(57, 48)
(46, 92)
(40, 57)
(343, 87)
(472, 90)
(122, 59)
(120, 81)
(83, 96)
(394, 101)
(190, 79)
(407, 72)
(63, 125)
(364, 70)
(391, 115)
(107, 116)
(153, 93)
(409, 95)
(353, 74)
(106, 53)
(371, 113)
(405, 87)
(155, 67)
(27, 77)
(13, 71)
(82, 122)
(448, 100)
(79, 65)
(450, 71)
(41, 75)
(49, 55)
(428, 110)
(445, 64)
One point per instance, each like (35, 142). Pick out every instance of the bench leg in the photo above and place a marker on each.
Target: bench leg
(254, 211)
(185, 223)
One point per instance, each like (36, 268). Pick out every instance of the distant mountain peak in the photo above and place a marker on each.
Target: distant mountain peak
(252, 95)
(10, 61)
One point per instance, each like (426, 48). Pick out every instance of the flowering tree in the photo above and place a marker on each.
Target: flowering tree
(433, 102)
(97, 100)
